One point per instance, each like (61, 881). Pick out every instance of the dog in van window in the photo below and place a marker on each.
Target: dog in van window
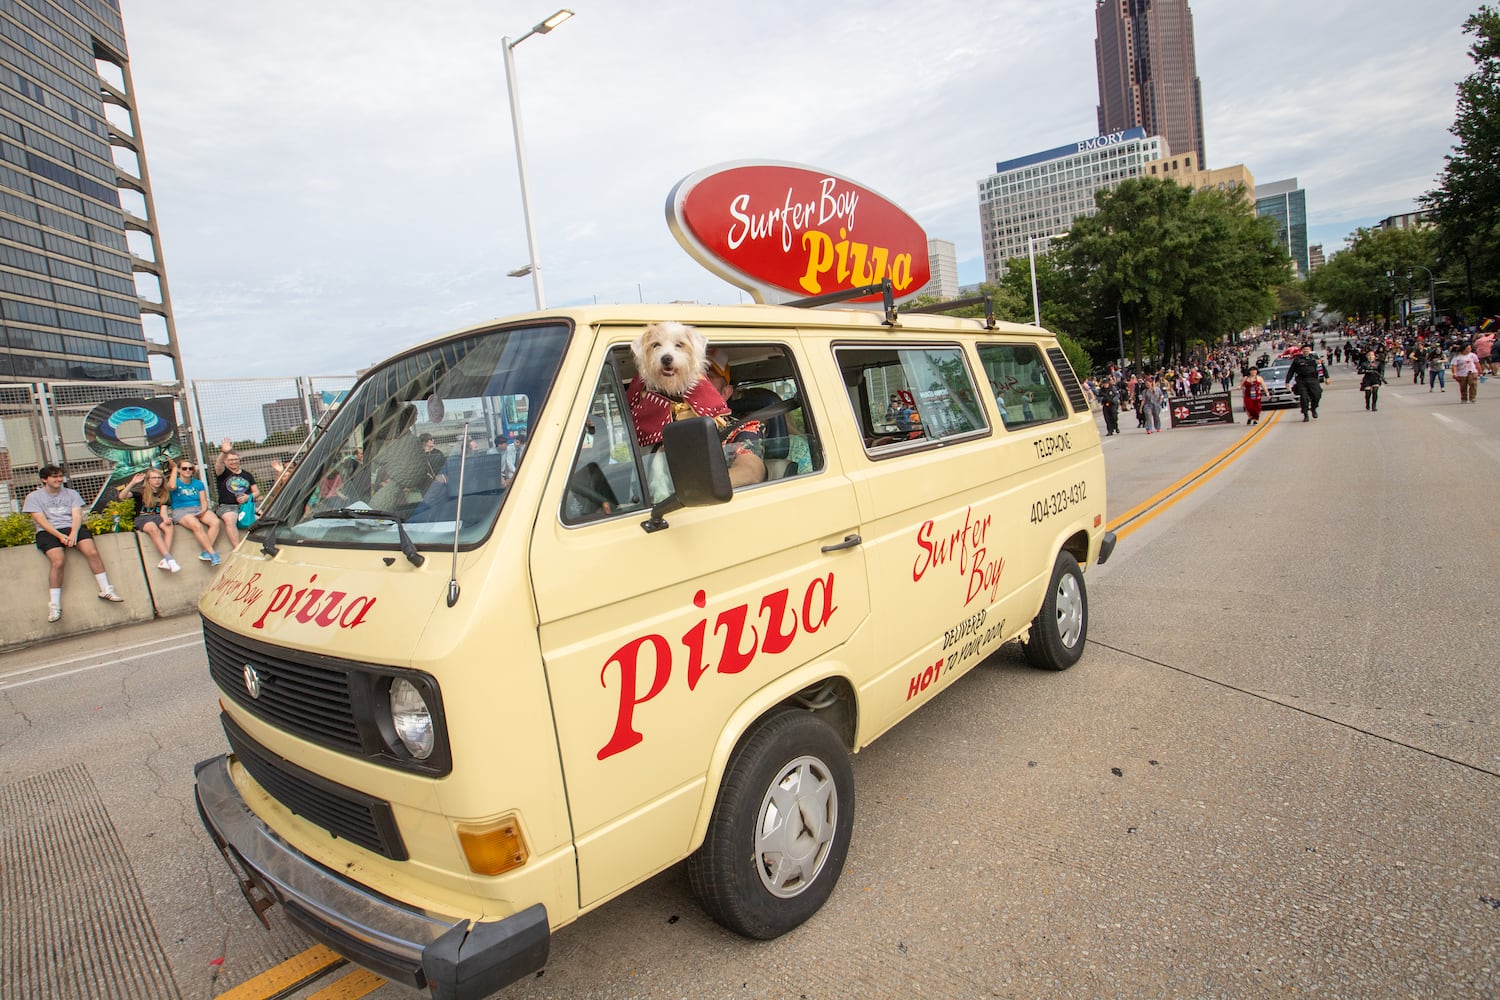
(671, 361)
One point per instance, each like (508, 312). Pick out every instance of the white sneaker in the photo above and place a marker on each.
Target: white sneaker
(172, 565)
(111, 596)
(164, 564)
(54, 613)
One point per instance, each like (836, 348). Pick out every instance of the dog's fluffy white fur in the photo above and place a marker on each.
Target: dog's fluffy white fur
(670, 357)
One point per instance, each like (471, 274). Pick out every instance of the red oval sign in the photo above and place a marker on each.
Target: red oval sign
(783, 231)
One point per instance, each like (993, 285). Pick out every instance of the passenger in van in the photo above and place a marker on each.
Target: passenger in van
(402, 467)
(744, 448)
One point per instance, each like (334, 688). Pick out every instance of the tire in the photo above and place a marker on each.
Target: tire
(780, 829)
(1061, 628)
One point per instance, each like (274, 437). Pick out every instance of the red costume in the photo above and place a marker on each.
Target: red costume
(652, 411)
(1254, 390)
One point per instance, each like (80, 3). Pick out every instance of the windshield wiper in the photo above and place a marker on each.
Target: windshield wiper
(369, 513)
(268, 544)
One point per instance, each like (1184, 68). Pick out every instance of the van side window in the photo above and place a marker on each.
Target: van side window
(1023, 388)
(766, 407)
(902, 395)
(605, 479)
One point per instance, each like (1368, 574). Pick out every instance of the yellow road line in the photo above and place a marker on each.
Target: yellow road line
(1147, 510)
(351, 987)
(297, 970)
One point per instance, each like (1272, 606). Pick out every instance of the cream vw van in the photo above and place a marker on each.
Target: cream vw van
(473, 692)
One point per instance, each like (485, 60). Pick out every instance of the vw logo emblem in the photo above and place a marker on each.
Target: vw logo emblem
(252, 681)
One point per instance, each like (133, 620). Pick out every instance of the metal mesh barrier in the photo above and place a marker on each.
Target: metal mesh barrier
(265, 419)
(101, 431)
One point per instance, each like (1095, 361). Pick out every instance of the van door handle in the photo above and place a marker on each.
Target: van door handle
(848, 543)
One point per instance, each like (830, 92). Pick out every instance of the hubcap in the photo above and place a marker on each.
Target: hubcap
(796, 826)
(1069, 610)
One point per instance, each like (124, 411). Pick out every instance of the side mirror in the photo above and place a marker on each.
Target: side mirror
(700, 473)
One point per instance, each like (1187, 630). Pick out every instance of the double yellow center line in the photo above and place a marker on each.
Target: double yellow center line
(1143, 512)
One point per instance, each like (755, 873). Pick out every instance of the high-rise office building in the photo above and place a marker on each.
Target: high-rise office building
(942, 264)
(1148, 74)
(80, 256)
(1287, 204)
(1032, 198)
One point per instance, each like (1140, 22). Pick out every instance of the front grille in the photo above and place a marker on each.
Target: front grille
(1069, 380)
(301, 693)
(353, 816)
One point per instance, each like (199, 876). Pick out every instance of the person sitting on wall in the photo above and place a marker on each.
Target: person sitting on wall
(58, 513)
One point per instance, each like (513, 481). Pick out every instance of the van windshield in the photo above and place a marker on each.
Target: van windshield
(433, 439)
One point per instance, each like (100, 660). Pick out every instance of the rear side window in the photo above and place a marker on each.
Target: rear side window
(1022, 385)
(906, 396)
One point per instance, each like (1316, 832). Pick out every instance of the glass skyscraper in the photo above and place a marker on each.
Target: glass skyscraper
(76, 216)
(1285, 202)
(1148, 72)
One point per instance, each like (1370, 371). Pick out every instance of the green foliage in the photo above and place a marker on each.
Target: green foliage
(1379, 268)
(103, 522)
(1181, 266)
(17, 529)
(1466, 204)
(1077, 356)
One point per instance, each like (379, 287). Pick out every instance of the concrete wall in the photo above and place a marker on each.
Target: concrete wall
(130, 560)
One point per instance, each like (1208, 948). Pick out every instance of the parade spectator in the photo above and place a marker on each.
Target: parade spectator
(234, 487)
(190, 508)
(58, 513)
(1484, 348)
(432, 454)
(1437, 367)
(1466, 373)
(150, 494)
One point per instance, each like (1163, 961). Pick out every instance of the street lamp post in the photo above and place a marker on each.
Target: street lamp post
(1036, 302)
(506, 47)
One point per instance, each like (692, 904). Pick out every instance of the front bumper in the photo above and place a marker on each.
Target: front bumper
(454, 958)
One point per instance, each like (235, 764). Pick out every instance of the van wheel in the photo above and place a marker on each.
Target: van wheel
(780, 828)
(1059, 630)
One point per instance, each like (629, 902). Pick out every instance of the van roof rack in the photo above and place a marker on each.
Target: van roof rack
(942, 307)
(883, 288)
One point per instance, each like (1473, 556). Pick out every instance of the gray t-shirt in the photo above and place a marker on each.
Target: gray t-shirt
(58, 510)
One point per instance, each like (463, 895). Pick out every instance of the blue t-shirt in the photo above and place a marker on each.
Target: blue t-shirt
(185, 494)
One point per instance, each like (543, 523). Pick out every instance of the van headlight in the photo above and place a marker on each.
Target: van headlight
(412, 719)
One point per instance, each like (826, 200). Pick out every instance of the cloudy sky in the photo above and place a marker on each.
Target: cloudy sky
(335, 180)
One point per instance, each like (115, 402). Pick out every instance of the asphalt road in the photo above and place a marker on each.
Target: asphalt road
(1276, 771)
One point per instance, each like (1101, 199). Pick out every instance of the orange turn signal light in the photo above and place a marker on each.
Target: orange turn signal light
(493, 848)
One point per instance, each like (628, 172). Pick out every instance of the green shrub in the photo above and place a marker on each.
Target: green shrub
(117, 515)
(17, 529)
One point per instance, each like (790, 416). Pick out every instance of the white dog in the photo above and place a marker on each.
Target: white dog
(670, 358)
(670, 362)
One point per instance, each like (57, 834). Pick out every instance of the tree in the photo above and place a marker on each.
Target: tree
(1466, 204)
(1179, 265)
(1378, 270)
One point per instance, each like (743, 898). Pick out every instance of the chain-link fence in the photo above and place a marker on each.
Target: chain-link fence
(265, 419)
(95, 430)
(104, 431)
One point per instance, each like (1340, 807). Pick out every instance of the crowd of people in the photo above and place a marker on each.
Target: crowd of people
(1426, 354)
(1145, 390)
